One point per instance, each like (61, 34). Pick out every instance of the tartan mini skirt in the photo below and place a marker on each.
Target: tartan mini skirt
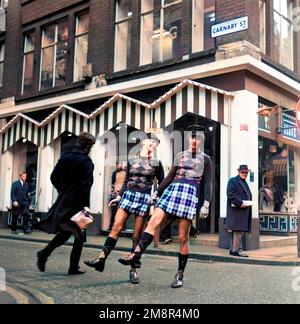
(180, 200)
(136, 203)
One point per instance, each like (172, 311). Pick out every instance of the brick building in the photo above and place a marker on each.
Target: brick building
(68, 66)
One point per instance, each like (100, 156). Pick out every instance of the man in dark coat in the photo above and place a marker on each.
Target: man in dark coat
(20, 198)
(73, 179)
(239, 210)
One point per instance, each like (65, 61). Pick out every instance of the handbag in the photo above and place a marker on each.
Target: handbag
(83, 219)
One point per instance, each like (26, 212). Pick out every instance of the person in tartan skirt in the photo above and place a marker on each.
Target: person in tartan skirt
(179, 196)
(134, 199)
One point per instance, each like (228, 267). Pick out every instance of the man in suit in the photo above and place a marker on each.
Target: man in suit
(20, 198)
(239, 213)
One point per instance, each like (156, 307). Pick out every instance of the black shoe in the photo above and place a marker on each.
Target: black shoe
(41, 261)
(193, 232)
(76, 272)
(178, 282)
(239, 254)
(134, 262)
(98, 264)
(133, 277)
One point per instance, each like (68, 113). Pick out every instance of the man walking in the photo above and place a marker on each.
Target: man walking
(239, 210)
(20, 198)
(73, 179)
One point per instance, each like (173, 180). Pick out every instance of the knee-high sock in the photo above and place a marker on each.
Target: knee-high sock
(145, 241)
(109, 245)
(182, 261)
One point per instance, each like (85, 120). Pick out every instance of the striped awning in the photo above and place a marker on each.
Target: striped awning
(120, 109)
(186, 97)
(192, 97)
(63, 119)
(20, 127)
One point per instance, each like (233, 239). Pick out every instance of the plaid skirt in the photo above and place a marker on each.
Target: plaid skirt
(135, 203)
(180, 200)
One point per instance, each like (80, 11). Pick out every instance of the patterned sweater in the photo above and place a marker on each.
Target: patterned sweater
(195, 169)
(141, 173)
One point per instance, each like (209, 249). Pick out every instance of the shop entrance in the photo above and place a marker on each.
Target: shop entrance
(25, 158)
(212, 148)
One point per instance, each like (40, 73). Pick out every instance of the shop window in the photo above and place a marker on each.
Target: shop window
(203, 18)
(283, 43)
(81, 45)
(28, 62)
(122, 34)
(54, 55)
(2, 52)
(277, 177)
(160, 30)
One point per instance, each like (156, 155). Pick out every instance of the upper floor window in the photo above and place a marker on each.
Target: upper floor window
(262, 25)
(122, 34)
(160, 30)
(2, 52)
(283, 33)
(54, 55)
(3, 3)
(81, 45)
(204, 16)
(28, 62)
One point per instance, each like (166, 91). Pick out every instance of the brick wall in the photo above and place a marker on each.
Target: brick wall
(13, 50)
(35, 13)
(231, 9)
(36, 9)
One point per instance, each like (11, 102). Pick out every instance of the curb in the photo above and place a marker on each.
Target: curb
(193, 256)
(24, 295)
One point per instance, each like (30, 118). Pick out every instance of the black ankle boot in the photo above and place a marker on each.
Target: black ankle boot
(133, 277)
(97, 264)
(41, 261)
(178, 282)
(134, 262)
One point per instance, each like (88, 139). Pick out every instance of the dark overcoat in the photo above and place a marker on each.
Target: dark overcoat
(238, 219)
(73, 179)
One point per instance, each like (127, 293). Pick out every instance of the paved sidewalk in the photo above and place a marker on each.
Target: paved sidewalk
(280, 256)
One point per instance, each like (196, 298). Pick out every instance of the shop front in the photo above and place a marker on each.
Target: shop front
(121, 116)
(279, 176)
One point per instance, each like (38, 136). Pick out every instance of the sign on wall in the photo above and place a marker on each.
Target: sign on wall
(230, 27)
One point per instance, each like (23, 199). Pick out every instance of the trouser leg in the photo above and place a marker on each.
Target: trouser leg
(76, 254)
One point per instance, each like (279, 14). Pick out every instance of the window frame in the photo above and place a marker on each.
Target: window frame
(162, 9)
(282, 47)
(55, 45)
(118, 22)
(76, 37)
(25, 53)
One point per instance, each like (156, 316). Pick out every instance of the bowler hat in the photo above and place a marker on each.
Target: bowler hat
(244, 167)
